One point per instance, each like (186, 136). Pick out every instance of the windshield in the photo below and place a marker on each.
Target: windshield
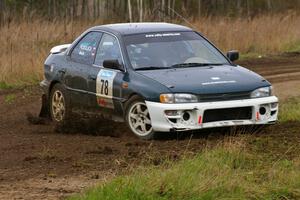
(171, 49)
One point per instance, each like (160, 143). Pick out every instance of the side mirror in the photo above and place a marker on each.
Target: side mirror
(233, 55)
(112, 64)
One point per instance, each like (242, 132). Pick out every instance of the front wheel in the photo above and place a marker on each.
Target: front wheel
(138, 118)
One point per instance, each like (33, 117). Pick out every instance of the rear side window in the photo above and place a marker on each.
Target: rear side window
(85, 51)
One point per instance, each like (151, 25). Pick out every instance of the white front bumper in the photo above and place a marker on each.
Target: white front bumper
(164, 123)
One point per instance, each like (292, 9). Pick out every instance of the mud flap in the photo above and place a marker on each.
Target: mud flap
(45, 112)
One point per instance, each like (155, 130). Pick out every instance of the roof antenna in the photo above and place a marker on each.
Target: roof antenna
(180, 16)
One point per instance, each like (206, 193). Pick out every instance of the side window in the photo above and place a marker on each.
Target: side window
(108, 49)
(85, 50)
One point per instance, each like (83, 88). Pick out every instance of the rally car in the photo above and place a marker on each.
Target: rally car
(157, 77)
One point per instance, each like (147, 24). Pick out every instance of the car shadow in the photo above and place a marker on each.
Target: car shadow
(99, 126)
(211, 133)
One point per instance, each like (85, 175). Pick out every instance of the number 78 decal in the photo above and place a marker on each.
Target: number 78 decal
(104, 88)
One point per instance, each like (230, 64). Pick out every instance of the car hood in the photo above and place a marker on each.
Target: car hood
(208, 80)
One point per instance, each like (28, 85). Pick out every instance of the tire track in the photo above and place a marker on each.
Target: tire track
(277, 70)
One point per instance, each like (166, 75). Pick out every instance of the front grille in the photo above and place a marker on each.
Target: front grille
(225, 114)
(224, 96)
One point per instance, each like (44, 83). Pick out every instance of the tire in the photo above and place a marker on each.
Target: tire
(138, 119)
(60, 108)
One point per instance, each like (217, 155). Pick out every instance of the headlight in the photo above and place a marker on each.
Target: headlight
(262, 92)
(178, 98)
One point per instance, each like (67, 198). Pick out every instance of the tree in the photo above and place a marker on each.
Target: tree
(139, 10)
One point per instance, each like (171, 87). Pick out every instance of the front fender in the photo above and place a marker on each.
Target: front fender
(145, 87)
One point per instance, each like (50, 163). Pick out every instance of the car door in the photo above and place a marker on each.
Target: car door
(80, 59)
(105, 87)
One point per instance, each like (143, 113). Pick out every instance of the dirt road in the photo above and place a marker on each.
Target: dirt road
(37, 162)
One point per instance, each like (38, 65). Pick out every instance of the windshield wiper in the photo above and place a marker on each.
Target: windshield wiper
(152, 68)
(195, 65)
(179, 66)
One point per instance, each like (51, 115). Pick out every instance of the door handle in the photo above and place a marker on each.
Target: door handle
(92, 77)
(63, 70)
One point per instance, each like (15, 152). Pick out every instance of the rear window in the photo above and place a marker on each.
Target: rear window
(85, 50)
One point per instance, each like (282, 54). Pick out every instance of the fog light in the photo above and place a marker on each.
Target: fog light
(262, 110)
(186, 116)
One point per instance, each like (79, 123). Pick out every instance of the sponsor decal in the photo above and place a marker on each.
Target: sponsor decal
(107, 74)
(200, 120)
(218, 82)
(215, 78)
(108, 44)
(162, 35)
(104, 88)
(86, 46)
(257, 116)
(94, 51)
(101, 102)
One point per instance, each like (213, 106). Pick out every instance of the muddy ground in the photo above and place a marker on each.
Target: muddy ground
(39, 162)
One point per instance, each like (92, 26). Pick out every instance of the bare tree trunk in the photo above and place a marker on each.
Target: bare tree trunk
(1, 12)
(141, 10)
(94, 9)
(173, 7)
(169, 6)
(163, 9)
(98, 8)
(269, 3)
(248, 9)
(199, 7)
(54, 8)
(130, 10)
(83, 5)
(75, 8)
(49, 9)
(239, 7)
(138, 8)
(107, 9)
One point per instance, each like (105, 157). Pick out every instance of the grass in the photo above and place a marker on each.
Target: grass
(10, 98)
(290, 110)
(266, 166)
(261, 35)
(25, 45)
(4, 85)
(252, 55)
(222, 173)
(293, 47)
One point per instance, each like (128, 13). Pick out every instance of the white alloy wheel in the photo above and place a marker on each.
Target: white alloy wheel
(139, 119)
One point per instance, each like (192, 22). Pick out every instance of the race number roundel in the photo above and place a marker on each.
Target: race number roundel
(104, 88)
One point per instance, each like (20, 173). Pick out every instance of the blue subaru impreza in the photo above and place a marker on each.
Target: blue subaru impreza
(157, 77)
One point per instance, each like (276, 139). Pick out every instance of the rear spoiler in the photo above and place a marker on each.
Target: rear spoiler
(60, 48)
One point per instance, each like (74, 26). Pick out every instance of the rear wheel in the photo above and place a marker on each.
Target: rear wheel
(138, 118)
(60, 109)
